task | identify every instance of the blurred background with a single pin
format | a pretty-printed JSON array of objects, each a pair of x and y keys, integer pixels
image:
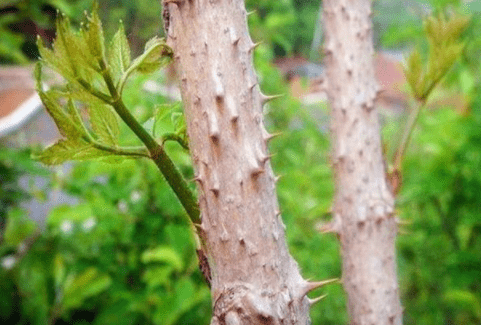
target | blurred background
[{"x": 98, "y": 243}]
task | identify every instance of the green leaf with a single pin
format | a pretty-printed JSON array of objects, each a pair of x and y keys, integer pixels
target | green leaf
[
  {"x": 69, "y": 149},
  {"x": 95, "y": 35},
  {"x": 104, "y": 123},
  {"x": 183, "y": 299},
  {"x": 77, "y": 288},
  {"x": 59, "y": 269},
  {"x": 67, "y": 124},
  {"x": 158, "y": 275},
  {"x": 156, "y": 55},
  {"x": 414, "y": 73},
  {"x": 163, "y": 254},
  {"x": 75, "y": 214},
  {"x": 119, "y": 53},
  {"x": 57, "y": 59},
  {"x": 32, "y": 283},
  {"x": 19, "y": 227},
  {"x": 463, "y": 299}
]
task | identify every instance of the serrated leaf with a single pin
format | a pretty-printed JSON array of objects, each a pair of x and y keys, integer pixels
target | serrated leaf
[
  {"x": 414, "y": 72},
  {"x": 104, "y": 123},
  {"x": 82, "y": 95},
  {"x": 72, "y": 111},
  {"x": 119, "y": 53},
  {"x": 95, "y": 34},
  {"x": 65, "y": 123},
  {"x": 56, "y": 59},
  {"x": 65, "y": 150},
  {"x": 157, "y": 54},
  {"x": 37, "y": 74}
]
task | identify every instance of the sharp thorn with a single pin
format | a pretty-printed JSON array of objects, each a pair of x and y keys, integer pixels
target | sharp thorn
[
  {"x": 265, "y": 98},
  {"x": 325, "y": 228},
  {"x": 253, "y": 46},
  {"x": 251, "y": 12},
  {"x": 256, "y": 171},
  {"x": 215, "y": 191},
  {"x": 197, "y": 179},
  {"x": 311, "y": 286},
  {"x": 316, "y": 300},
  {"x": 271, "y": 136},
  {"x": 403, "y": 222}
]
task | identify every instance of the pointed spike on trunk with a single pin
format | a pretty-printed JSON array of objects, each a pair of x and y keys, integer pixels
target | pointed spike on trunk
[
  {"x": 219, "y": 86},
  {"x": 214, "y": 131},
  {"x": 234, "y": 38},
  {"x": 311, "y": 286},
  {"x": 255, "y": 83},
  {"x": 197, "y": 179},
  {"x": 232, "y": 109},
  {"x": 215, "y": 184},
  {"x": 254, "y": 172},
  {"x": 326, "y": 228},
  {"x": 253, "y": 46},
  {"x": 265, "y": 99},
  {"x": 264, "y": 159},
  {"x": 316, "y": 300},
  {"x": 403, "y": 222},
  {"x": 272, "y": 136},
  {"x": 251, "y": 12}
]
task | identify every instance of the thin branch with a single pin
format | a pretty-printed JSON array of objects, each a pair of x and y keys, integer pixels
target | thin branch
[
  {"x": 157, "y": 153},
  {"x": 132, "y": 152},
  {"x": 406, "y": 136},
  {"x": 103, "y": 97}
]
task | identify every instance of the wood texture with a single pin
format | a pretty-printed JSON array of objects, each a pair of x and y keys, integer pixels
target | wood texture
[
  {"x": 253, "y": 278},
  {"x": 364, "y": 206}
]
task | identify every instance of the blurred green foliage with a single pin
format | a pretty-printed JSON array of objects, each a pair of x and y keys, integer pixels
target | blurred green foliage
[
  {"x": 22, "y": 20},
  {"x": 124, "y": 255},
  {"x": 288, "y": 25}
]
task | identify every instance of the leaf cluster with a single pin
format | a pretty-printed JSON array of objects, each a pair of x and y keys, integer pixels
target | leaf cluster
[
  {"x": 445, "y": 47},
  {"x": 95, "y": 75}
]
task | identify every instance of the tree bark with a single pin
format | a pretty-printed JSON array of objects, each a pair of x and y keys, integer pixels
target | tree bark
[
  {"x": 364, "y": 205},
  {"x": 253, "y": 278}
]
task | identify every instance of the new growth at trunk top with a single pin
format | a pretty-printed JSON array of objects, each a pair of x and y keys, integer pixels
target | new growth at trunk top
[{"x": 423, "y": 75}]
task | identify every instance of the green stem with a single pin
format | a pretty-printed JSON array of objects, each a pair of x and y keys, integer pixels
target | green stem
[
  {"x": 132, "y": 152},
  {"x": 177, "y": 138},
  {"x": 103, "y": 97},
  {"x": 406, "y": 136},
  {"x": 157, "y": 153}
]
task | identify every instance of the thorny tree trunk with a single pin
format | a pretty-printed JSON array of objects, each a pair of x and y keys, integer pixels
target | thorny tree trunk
[
  {"x": 364, "y": 205},
  {"x": 253, "y": 278}
]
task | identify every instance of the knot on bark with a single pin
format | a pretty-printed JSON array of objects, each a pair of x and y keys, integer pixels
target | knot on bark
[{"x": 242, "y": 304}]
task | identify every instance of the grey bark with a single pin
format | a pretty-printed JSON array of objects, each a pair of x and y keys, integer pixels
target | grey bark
[
  {"x": 253, "y": 278},
  {"x": 364, "y": 205}
]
